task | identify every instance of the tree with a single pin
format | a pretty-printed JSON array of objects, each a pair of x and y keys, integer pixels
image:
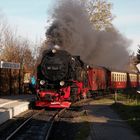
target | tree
[
  {"x": 138, "y": 54},
  {"x": 100, "y": 14},
  {"x": 12, "y": 47},
  {"x": 132, "y": 62},
  {"x": 4, "y": 27},
  {"x": 16, "y": 49}
]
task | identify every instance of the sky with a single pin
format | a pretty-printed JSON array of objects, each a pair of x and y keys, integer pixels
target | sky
[
  {"x": 127, "y": 20},
  {"x": 29, "y": 18}
]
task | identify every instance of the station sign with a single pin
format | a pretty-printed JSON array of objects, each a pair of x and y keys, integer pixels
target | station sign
[{"x": 9, "y": 65}]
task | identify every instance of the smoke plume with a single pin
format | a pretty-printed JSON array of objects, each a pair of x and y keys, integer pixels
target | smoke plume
[{"x": 72, "y": 30}]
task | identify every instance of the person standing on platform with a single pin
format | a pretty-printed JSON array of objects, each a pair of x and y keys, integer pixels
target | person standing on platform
[{"x": 33, "y": 84}]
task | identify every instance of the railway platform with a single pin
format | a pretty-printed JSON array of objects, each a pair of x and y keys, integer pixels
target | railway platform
[
  {"x": 11, "y": 106},
  {"x": 105, "y": 124}
]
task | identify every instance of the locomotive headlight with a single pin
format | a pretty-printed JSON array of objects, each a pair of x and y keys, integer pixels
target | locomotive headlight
[
  {"x": 53, "y": 50},
  {"x": 62, "y": 83},
  {"x": 42, "y": 82},
  {"x": 87, "y": 66},
  {"x": 73, "y": 59}
]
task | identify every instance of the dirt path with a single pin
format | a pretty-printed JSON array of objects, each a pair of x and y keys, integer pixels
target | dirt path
[{"x": 105, "y": 124}]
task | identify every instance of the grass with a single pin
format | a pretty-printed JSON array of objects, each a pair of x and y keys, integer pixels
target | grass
[{"x": 128, "y": 110}]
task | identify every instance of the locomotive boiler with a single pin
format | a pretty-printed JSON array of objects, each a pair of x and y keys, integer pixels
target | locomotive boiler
[{"x": 61, "y": 79}]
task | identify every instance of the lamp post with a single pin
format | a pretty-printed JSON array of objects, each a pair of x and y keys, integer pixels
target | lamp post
[{"x": 20, "y": 73}]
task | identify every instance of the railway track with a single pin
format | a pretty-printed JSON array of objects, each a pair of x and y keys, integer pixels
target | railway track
[
  {"x": 36, "y": 127},
  {"x": 66, "y": 128},
  {"x": 39, "y": 125}
]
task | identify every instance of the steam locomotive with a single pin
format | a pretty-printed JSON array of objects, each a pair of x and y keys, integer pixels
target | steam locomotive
[{"x": 63, "y": 79}]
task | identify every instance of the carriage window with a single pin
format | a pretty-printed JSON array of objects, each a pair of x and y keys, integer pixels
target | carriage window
[
  {"x": 130, "y": 78},
  {"x": 134, "y": 78},
  {"x": 113, "y": 77},
  {"x": 118, "y": 77}
]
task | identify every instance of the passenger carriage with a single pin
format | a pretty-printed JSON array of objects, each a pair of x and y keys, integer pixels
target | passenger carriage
[
  {"x": 118, "y": 80},
  {"x": 132, "y": 80}
]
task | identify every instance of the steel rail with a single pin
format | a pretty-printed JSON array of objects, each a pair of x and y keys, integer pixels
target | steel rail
[
  {"x": 55, "y": 117},
  {"x": 26, "y": 121}
]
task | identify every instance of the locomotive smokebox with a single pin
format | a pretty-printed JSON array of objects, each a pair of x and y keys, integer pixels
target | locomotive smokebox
[{"x": 55, "y": 64}]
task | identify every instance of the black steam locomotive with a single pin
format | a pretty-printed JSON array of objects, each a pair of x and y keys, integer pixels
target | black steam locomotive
[{"x": 60, "y": 79}]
